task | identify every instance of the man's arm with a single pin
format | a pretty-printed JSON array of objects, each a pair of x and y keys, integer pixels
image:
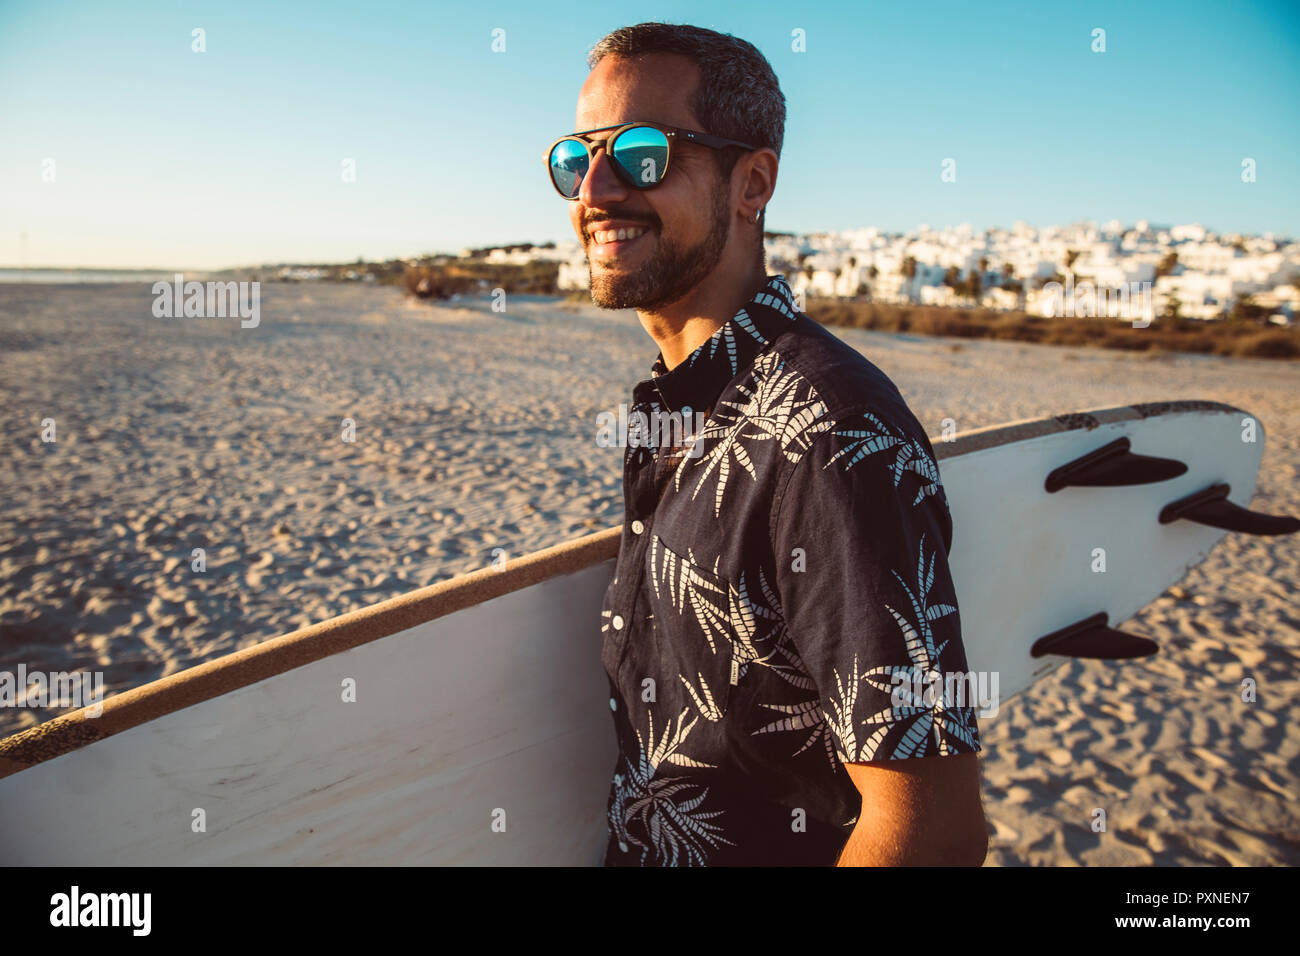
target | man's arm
[
  {"x": 924, "y": 811},
  {"x": 874, "y": 606}
]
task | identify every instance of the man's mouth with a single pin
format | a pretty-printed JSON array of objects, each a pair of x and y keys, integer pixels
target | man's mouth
[{"x": 607, "y": 243}]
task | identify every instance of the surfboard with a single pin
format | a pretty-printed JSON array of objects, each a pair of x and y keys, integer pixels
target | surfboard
[{"x": 469, "y": 723}]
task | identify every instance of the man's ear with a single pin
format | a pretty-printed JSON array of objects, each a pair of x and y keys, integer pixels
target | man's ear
[{"x": 758, "y": 171}]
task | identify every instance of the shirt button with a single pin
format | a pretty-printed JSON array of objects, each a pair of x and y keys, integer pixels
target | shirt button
[
  {"x": 617, "y": 622},
  {"x": 637, "y": 527}
]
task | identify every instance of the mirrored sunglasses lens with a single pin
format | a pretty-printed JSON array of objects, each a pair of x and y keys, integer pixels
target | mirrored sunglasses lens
[
  {"x": 569, "y": 164},
  {"x": 643, "y": 154}
]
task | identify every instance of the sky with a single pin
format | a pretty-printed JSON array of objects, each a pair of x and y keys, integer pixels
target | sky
[{"x": 167, "y": 157}]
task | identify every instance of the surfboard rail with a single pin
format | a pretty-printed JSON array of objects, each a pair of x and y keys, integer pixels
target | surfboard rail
[
  {"x": 241, "y": 668},
  {"x": 131, "y": 708}
]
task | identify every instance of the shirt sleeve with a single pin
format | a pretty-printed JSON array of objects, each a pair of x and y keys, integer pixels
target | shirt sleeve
[{"x": 861, "y": 541}]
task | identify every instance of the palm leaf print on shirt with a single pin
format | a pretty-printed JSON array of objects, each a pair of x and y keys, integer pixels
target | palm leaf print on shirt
[
  {"x": 924, "y": 721},
  {"x": 805, "y": 715},
  {"x": 669, "y": 811},
  {"x": 781, "y": 405},
  {"x": 689, "y": 590},
  {"x": 910, "y": 454},
  {"x": 725, "y": 338}
]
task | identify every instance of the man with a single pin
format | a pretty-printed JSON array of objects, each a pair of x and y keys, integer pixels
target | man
[{"x": 781, "y": 613}]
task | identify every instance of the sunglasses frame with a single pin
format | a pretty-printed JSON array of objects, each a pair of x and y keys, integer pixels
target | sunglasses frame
[{"x": 670, "y": 132}]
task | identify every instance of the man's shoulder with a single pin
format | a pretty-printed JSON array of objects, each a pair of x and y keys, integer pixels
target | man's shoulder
[
  {"x": 853, "y": 417},
  {"x": 842, "y": 381}
]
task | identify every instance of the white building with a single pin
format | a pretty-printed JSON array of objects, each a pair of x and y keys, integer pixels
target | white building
[
  {"x": 574, "y": 274},
  {"x": 1210, "y": 273}
]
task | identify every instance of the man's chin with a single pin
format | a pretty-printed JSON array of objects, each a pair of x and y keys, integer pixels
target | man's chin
[
  {"x": 651, "y": 282},
  {"x": 616, "y": 286},
  {"x": 620, "y": 292}
]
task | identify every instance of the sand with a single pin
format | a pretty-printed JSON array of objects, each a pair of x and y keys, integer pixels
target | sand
[{"x": 475, "y": 431}]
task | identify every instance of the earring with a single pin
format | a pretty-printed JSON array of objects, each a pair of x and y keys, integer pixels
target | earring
[{"x": 754, "y": 221}]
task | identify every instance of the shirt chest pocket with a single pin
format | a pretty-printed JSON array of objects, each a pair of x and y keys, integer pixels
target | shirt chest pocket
[{"x": 694, "y": 640}]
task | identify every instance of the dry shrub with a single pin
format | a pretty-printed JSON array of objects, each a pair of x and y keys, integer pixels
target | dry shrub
[
  {"x": 429, "y": 282},
  {"x": 1281, "y": 344},
  {"x": 1237, "y": 338},
  {"x": 1128, "y": 341}
]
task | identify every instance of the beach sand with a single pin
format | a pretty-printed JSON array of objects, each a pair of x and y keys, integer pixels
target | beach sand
[{"x": 475, "y": 432}]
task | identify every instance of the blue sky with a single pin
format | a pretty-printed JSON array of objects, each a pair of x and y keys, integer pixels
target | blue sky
[{"x": 166, "y": 157}]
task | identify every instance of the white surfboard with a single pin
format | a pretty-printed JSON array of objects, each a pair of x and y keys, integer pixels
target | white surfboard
[{"x": 481, "y": 731}]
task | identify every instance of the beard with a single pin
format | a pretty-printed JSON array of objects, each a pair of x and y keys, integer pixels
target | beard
[{"x": 672, "y": 271}]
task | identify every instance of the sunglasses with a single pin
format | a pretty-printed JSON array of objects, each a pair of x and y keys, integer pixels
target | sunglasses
[{"x": 640, "y": 153}]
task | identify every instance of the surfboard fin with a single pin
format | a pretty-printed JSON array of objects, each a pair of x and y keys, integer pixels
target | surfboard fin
[
  {"x": 1092, "y": 638},
  {"x": 1211, "y": 506},
  {"x": 1113, "y": 464}
]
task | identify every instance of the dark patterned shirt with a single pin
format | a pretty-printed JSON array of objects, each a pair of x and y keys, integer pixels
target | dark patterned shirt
[{"x": 781, "y": 603}]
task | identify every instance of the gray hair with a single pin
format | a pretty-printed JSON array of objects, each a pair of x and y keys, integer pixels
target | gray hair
[{"x": 738, "y": 95}]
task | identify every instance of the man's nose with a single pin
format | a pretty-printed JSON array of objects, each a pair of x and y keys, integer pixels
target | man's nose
[{"x": 601, "y": 186}]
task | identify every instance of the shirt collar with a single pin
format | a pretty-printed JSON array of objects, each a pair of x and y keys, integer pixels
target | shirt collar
[{"x": 700, "y": 378}]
